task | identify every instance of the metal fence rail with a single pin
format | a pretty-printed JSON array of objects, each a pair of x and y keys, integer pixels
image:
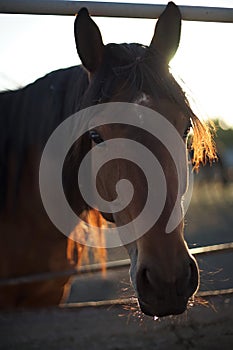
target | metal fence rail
[
  {"x": 110, "y": 265},
  {"x": 113, "y": 9},
  {"x": 134, "y": 301}
]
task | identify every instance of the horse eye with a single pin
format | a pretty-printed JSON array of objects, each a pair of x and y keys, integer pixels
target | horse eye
[{"x": 95, "y": 136}]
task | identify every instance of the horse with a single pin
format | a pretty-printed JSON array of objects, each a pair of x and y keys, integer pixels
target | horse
[{"x": 163, "y": 272}]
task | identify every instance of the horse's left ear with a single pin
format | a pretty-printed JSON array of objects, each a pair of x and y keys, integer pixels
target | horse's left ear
[
  {"x": 88, "y": 40},
  {"x": 167, "y": 32}
]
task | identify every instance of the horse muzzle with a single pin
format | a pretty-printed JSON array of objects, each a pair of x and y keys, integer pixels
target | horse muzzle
[{"x": 157, "y": 296}]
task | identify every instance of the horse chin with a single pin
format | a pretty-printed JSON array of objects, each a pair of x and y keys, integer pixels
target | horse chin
[
  {"x": 145, "y": 309},
  {"x": 161, "y": 311}
]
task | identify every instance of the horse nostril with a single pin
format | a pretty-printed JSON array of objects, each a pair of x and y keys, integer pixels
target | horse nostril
[
  {"x": 145, "y": 277},
  {"x": 144, "y": 281},
  {"x": 149, "y": 285}
]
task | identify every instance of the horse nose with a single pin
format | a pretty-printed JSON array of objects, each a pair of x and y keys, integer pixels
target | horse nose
[{"x": 161, "y": 294}]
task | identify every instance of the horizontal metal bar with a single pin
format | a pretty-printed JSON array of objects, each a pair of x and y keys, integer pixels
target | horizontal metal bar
[
  {"x": 45, "y": 276},
  {"x": 110, "y": 265},
  {"x": 134, "y": 301},
  {"x": 217, "y": 248},
  {"x": 123, "y": 301},
  {"x": 210, "y": 293},
  {"x": 110, "y": 9}
]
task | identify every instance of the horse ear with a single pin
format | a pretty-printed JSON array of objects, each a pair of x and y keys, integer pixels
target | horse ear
[
  {"x": 88, "y": 41},
  {"x": 167, "y": 32}
]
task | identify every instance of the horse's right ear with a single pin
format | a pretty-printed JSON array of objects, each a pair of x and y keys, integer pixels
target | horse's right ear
[{"x": 88, "y": 40}]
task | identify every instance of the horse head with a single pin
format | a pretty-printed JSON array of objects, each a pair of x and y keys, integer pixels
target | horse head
[{"x": 163, "y": 272}]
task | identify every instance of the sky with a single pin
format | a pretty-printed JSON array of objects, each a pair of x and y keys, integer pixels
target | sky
[{"x": 32, "y": 46}]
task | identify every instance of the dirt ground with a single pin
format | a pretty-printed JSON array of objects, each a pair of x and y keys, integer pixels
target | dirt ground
[{"x": 117, "y": 329}]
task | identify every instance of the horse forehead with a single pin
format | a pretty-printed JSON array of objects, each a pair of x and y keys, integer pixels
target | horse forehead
[
  {"x": 101, "y": 119},
  {"x": 168, "y": 109},
  {"x": 163, "y": 106}
]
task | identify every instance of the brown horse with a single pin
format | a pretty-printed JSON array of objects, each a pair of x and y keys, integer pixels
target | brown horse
[{"x": 163, "y": 273}]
